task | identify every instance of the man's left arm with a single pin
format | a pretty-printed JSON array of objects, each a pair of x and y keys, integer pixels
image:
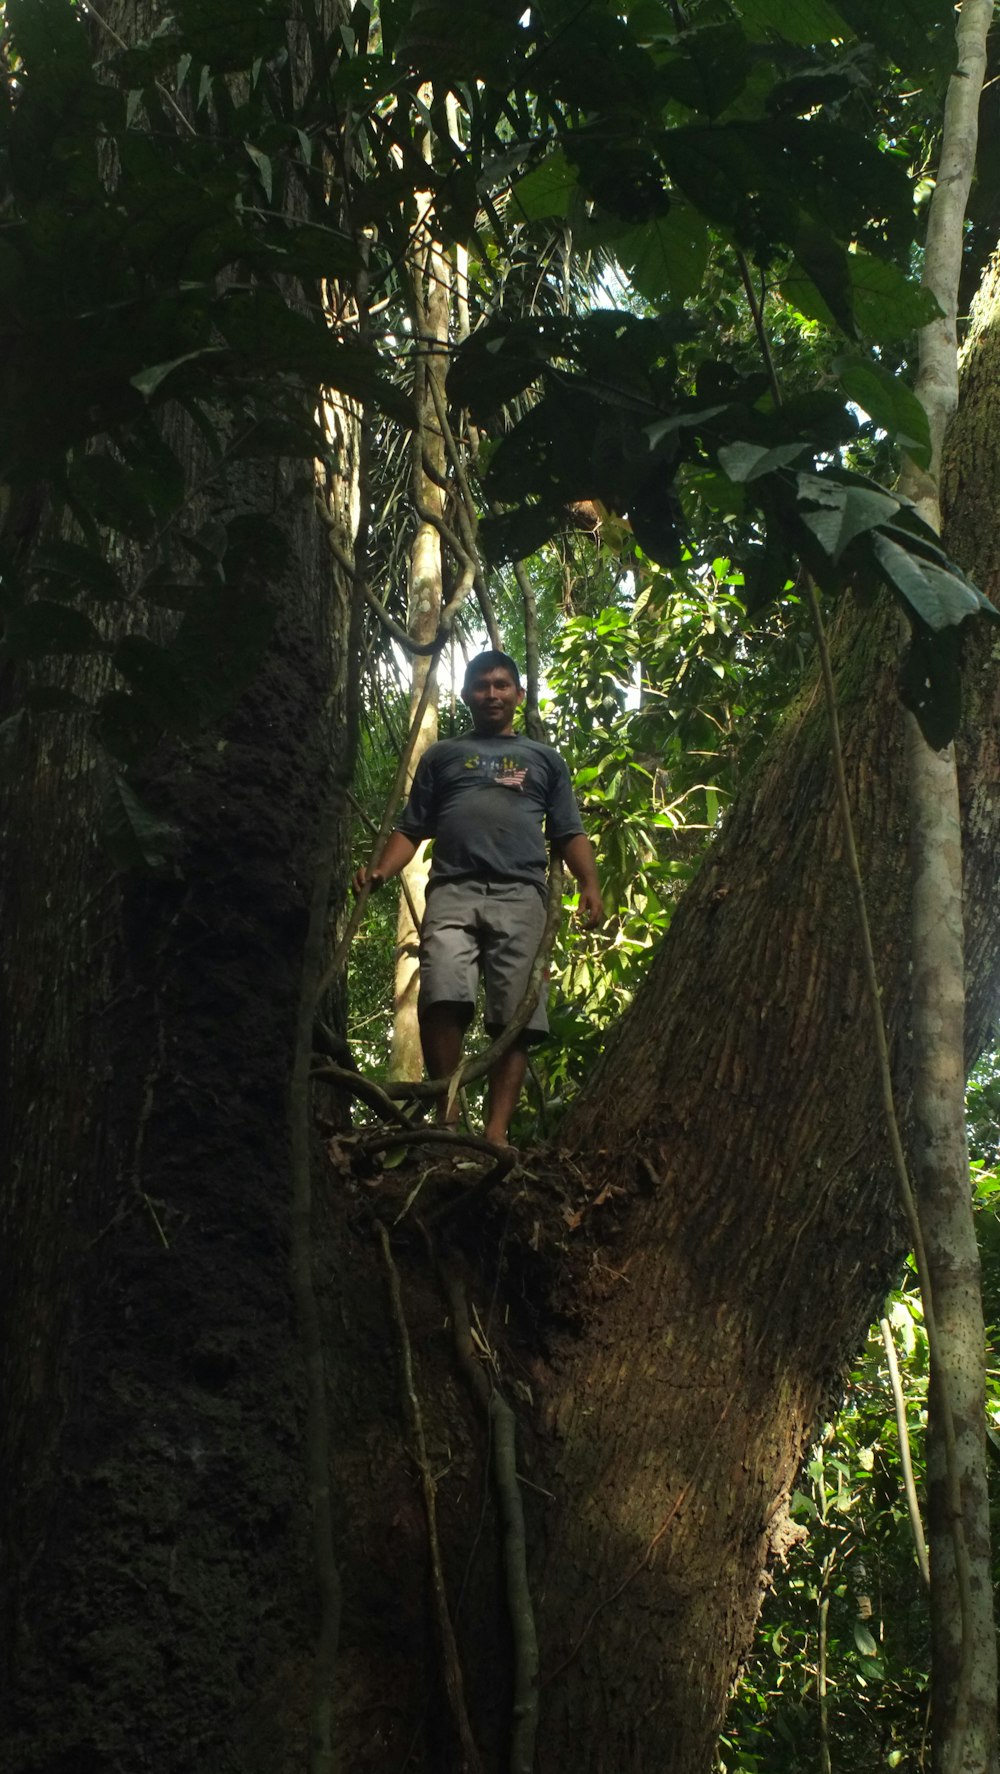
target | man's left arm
[{"x": 577, "y": 853}]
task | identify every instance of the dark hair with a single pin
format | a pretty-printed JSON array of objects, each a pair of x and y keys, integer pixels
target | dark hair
[{"x": 491, "y": 660}]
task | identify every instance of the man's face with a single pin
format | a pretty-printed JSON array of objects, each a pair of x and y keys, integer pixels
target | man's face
[{"x": 491, "y": 698}]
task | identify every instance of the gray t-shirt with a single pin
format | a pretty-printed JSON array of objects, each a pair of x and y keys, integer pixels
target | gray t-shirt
[{"x": 490, "y": 802}]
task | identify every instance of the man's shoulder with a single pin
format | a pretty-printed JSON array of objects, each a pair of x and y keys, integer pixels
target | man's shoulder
[
  {"x": 548, "y": 753},
  {"x": 461, "y": 746}
]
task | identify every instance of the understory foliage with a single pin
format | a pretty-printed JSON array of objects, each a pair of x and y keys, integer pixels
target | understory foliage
[{"x": 690, "y": 242}]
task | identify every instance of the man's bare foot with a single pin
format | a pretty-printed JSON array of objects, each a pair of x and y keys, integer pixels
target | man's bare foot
[{"x": 498, "y": 1137}]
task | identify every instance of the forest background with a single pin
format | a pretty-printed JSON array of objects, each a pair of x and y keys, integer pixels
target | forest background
[{"x": 338, "y": 340}]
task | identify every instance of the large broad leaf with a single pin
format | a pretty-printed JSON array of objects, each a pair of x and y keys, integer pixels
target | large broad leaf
[
  {"x": 71, "y": 569},
  {"x": 478, "y": 40},
  {"x": 914, "y": 35},
  {"x": 845, "y": 512},
  {"x": 106, "y": 492},
  {"x": 886, "y": 399},
  {"x": 930, "y": 683},
  {"x": 759, "y": 179},
  {"x": 43, "y": 628},
  {"x": 709, "y": 69},
  {"x": 546, "y": 191},
  {"x": 496, "y": 365},
  {"x": 797, "y": 21},
  {"x": 515, "y": 535},
  {"x": 124, "y": 726},
  {"x": 748, "y": 461},
  {"x": 51, "y": 37},
  {"x": 885, "y": 304},
  {"x": 265, "y": 334},
  {"x": 940, "y": 598},
  {"x": 149, "y": 380},
  {"x": 668, "y": 256},
  {"x": 229, "y": 35},
  {"x": 131, "y": 833},
  {"x": 12, "y": 731},
  {"x": 158, "y": 684}
]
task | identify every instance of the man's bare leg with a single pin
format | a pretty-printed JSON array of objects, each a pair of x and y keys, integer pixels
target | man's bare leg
[
  {"x": 505, "y": 1081},
  {"x": 442, "y": 1035}
]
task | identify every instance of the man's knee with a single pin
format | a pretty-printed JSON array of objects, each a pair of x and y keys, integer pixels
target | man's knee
[{"x": 449, "y": 1013}]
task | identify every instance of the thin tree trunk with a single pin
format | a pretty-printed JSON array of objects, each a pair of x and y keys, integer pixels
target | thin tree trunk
[
  {"x": 431, "y": 288},
  {"x": 905, "y": 1460},
  {"x": 963, "y": 1632}
]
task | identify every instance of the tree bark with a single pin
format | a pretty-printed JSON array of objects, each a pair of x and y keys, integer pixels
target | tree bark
[
  {"x": 431, "y": 282},
  {"x": 670, "y": 1302},
  {"x": 964, "y": 1661}
]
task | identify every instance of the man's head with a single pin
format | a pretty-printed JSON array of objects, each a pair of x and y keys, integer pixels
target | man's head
[{"x": 492, "y": 691}]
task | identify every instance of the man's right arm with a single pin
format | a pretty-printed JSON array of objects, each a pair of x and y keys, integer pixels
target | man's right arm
[{"x": 398, "y": 851}]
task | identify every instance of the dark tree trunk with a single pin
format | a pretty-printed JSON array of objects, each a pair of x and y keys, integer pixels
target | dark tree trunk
[
  {"x": 669, "y": 1305},
  {"x": 155, "y": 1482}
]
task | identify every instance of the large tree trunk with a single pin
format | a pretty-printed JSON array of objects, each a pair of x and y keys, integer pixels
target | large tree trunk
[
  {"x": 670, "y": 1306},
  {"x": 153, "y": 1472}
]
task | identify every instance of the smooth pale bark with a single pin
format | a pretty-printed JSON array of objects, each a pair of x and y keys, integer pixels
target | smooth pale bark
[
  {"x": 431, "y": 292},
  {"x": 964, "y": 1711}
]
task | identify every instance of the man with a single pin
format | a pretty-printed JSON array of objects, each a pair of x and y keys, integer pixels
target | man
[{"x": 490, "y": 800}]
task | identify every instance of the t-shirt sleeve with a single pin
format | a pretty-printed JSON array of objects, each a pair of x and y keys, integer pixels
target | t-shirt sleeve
[
  {"x": 562, "y": 818},
  {"x": 419, "y": 817}
]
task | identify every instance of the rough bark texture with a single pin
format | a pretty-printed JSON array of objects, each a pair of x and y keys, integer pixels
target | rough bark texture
[
  {"x": 153, "y": 1384},
  {"x": 670, "y": 1305}
]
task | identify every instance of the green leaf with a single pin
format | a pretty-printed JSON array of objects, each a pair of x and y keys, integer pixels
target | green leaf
[
  {"x": 263, "y": 164},
  {"x": 107, "y": 492},
  {"x": 148, "y": 381},
  {"x": 748, "y": 461},
  {"x": 220, "y": 644},
  {"x": 709, "y": 69},
  {"x": 124, "y": 727},
  {"x": 11, "y": 730},
  {"x": 514, "y": 535},
  {"x": 864, "y": 1641},
  {"x": 267, "y": 335},
  {"x": 82, "y": 569},
  {"x": 43, "y": 628},
  {"x": 887, "y": 399},
  {"x": 158, "y": 683},
  {"x": 668, "y": 256},
  {"x": 131, "y": 833},
  {"x": 53, "y": 699},
  {"x": 682, "y": 421},
  {"x": 797, "y": 21},
  {"x": 846, "y": 511},
  {"x": 873, "y": 1669},
  {"x": 230, "y": 35},
  {"x": 886, "y": 304},
  {"x": 930, "y": 683},
  {"x": 941, "y": 599},
  {"x": 547, "y": 190}
]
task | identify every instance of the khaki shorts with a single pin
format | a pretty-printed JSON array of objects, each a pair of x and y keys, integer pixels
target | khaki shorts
[{"x": 488, "y": 929}]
